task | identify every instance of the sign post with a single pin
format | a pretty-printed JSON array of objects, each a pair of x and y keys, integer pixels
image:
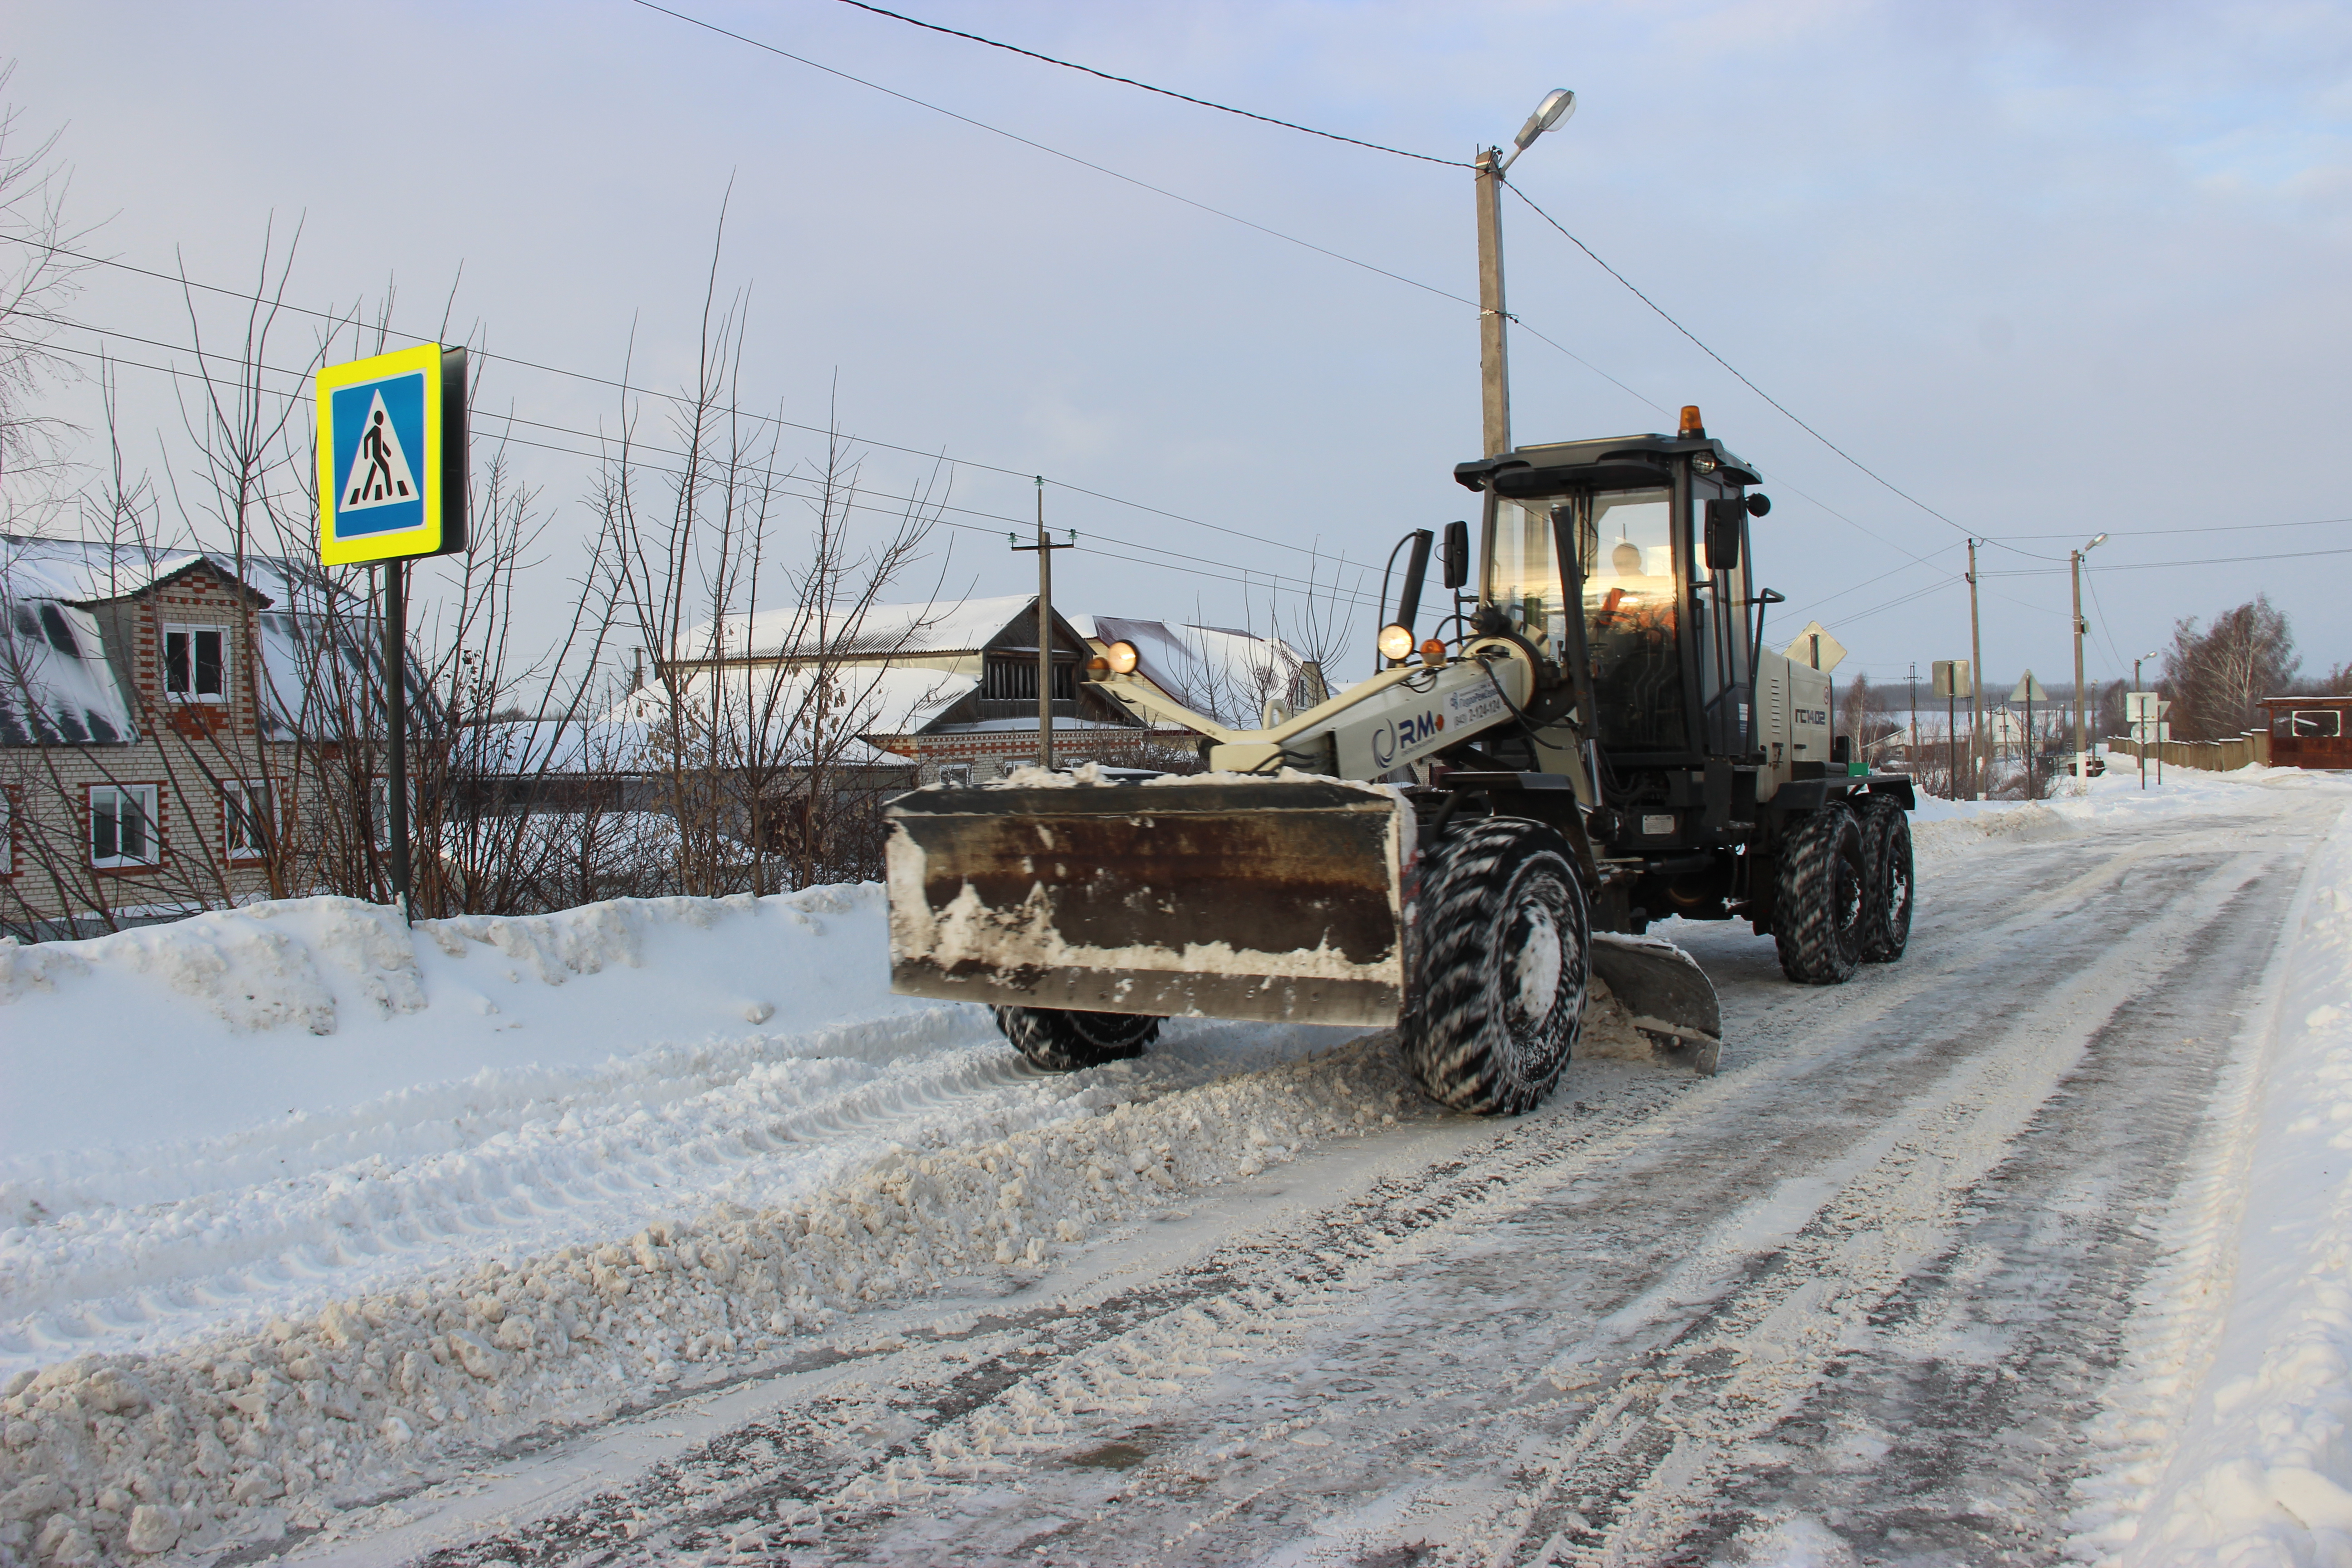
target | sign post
[
  {"x": 392, "y": 487},
  {"x": 1952, "y": 678},
  {"x": 2029, "y": 691}
]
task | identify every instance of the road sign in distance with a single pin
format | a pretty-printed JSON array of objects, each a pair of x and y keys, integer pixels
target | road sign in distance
[
  {"x": 2144, "y": 707},
  {"x": 1815, "y": 646},
  {"x": 391, "y": 455},
  {"x": 2028, "y": 690},
  {"x": 1954, "y": 678}
]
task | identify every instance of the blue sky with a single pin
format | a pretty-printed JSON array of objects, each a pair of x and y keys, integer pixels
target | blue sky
[{"x": 2051, "y": 269}]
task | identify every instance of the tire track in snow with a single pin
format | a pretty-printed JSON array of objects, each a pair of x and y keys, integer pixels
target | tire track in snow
[{"x": 1762, "y": 1326}]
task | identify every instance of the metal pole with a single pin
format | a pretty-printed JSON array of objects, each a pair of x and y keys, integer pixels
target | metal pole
[
  {"x": 2140, "y": 727},
  {"x": 2082, "y": 733},
  {"x": 1914, "y": 707},
  {"x": 1976, "y": 768},
  {"x": 1494, "y": 364},
  {"x": 1045, "y": 636},
  {"x": 395, "y": 687}
]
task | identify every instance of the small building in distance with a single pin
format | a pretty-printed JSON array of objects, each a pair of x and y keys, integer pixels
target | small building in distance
[{"x": 2309, "y": 732}]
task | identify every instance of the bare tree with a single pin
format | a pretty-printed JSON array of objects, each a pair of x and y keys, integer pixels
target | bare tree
[
  {"x": 39, "y": 271},
  {"x": 2215, "y": 677}
]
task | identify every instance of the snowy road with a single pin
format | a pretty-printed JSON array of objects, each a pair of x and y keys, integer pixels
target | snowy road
[{"x": 1856, "y": 1300}]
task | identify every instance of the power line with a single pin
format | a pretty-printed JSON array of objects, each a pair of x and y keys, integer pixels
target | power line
[
  {"x": 2158, "y": 565},
  {"x": 1727, "y": 364},
  {"x": 1164, "y": 92},
  {"x": 1058, "y": 152},
  {"x": 2207, "y": 528},
  {"x": 340, "y": 321},
  {"x": 1248, "y": 575}
]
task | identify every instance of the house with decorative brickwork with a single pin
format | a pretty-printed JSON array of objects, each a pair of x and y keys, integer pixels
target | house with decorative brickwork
[{"x": 152, "y": 720}]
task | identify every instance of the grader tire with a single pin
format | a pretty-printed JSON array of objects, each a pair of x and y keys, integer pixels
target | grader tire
[
  {"x": 1821, "y": 907},
  {"x": 1886, "y": 848},
  {"x": 1504, "y": 965},
  {"x": 1059, "y": 1040}
]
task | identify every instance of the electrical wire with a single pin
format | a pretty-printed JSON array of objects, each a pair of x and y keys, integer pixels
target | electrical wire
[
  {"x": 1727, "y": 364},
  {"x": 1249, "y": 576},
  {"x": 341, "y": 320},
  {"x": 1164, "y": 92},
  {"x": 1058, "y": 152}
]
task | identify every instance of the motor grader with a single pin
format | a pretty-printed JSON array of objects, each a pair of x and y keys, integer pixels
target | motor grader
[{"x": 1460, "y": 845}]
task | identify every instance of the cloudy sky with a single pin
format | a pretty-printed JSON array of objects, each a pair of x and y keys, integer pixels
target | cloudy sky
[{"x": 2049, "y": 270}]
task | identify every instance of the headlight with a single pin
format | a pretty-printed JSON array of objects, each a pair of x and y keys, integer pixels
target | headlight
[
  {"x": 1395, "y": 642},
  {"x": 1122, "y": 657}
]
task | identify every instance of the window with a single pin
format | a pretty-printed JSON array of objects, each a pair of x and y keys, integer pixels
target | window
[
  {"x": 193, "y": 666},
  {"x": 7, "y": 835},
  {"x": 122, "y": 826},
  {"x": 1015, "y": 678},
  {"x": 249, "y": 820},
  {"x": 957, "y": 773},
  {"x": 2317, "y": 723}
]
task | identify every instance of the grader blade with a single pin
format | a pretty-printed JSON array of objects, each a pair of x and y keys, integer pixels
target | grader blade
[
  {"x": 1665, "y": 996},
  {"x": 1279, "y": 899}
]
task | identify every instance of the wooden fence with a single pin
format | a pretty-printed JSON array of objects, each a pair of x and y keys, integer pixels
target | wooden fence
[{"x": 2214, "y": 756}]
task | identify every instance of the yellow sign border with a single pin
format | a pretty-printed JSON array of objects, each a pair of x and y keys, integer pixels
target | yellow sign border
[{"x": 426, "y": 538}]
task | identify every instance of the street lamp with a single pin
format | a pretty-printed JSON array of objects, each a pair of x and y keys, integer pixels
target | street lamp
[
  {"x": 1494, "y": 366},
  {"x": 2081, "y": 738}
]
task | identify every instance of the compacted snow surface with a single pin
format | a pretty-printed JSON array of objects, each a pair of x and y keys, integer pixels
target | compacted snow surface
[{"x": 312, "y": 1225}]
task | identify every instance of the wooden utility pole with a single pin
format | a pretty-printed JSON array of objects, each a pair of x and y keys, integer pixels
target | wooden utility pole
[
  {"x": 2081, "y": 740},
  {"x": 1045, "y": 548},
  {"x": 1976, "y": 694},
  {"x": 1494, "y": 351}
]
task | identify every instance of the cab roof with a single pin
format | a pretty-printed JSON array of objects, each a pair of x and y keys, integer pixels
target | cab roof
[{"x": 1610, "y": 463}]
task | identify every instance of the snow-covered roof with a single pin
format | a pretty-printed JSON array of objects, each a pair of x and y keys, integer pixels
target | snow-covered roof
[
  {"x": 1217, "y": 671},
  {"x": 57, "y": 679},
  {"x": 792, "y": 630},
  {"x": 865, "y": 700}
]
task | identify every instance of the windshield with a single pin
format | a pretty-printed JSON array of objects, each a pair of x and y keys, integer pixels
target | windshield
[{"x": 1630, "y": 611}]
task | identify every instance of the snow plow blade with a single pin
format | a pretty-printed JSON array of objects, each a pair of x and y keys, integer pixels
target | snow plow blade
[
  {"x": 1278, "y": 899},
  {"x": 1665, "y": 996}
]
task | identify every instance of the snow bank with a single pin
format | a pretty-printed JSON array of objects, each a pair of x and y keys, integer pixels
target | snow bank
[
  {"x": 212, "y": 1024},
  {"x": 2261, "y": 1469}
]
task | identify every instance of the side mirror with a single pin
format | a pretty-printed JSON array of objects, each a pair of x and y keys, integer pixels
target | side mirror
[
  {"x": 1458, "y": 554},
  {"x": 1724, "y": 519}
]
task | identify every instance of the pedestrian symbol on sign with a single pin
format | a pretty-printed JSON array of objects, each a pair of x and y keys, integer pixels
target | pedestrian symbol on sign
[{"x": 380, "y": 474}]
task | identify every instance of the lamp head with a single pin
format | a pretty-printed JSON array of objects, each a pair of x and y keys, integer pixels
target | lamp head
[
  {"x": 1557, "y": 105},
  {"x": 2096, "y": 542}
]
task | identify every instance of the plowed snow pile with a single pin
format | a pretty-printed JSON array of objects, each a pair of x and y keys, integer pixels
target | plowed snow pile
[{"x": 298, "y": 1202}]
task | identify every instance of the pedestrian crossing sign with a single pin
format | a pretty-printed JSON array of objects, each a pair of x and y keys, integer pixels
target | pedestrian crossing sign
[{"x": 391, "y": 455}]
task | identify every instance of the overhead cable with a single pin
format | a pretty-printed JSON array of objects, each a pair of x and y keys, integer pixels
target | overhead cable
[{"x": 1164, "y": 92}]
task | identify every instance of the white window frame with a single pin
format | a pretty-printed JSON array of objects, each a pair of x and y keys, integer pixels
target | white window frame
[
  {"x": 958, "y": 775},
  {"x": 238, "y": 797},
  {"x": 191, "y": 630},
  {"x": 7, "y": 833},
  {"x": 150, "y": 799}
]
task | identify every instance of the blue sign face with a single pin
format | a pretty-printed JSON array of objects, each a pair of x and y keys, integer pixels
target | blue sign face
[{"x": 379, "y": 433}]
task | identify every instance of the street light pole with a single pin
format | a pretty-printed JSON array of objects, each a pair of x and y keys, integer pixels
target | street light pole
[
  {"x": 1978, "y": 766},
  {"x": 2082, "y": 740},
  {"x": 1494, "y": 349}
]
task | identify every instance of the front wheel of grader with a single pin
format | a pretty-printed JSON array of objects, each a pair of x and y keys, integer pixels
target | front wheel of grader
[
  {"x": 1057, "y": 1040},
  {"x": 1504, "y": 963}
]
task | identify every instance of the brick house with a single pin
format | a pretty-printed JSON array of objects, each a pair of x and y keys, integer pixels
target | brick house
[{"x": 148, "y": 732}]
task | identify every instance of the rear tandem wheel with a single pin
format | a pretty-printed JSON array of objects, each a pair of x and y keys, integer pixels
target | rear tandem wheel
[{"x": 1821, "y": 910}]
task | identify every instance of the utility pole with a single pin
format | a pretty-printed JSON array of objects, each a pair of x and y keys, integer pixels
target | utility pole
[
  {"x": 1494, "y": 354},
  {"x": 2082, "y": 736},
  {"x": 1914, "y": 707},
  {"x": 1045, "y": 548},
  {"x": 1976, "y": 696}
]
